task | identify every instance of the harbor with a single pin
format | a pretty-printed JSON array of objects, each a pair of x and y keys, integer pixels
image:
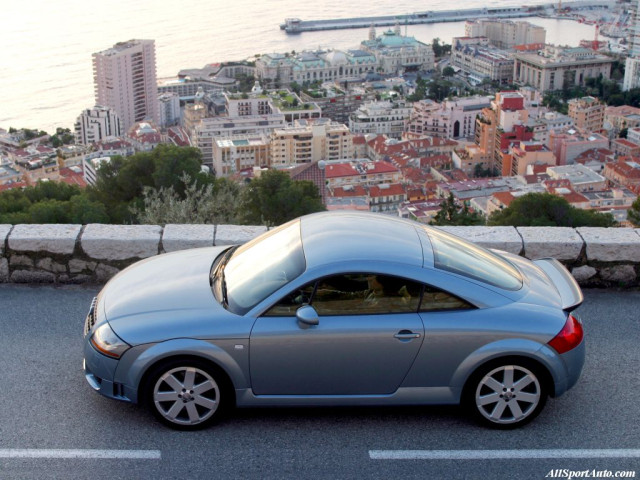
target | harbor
[{"x": 563, "y": 10}]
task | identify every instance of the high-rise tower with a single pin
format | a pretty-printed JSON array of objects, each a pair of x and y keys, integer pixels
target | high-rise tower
[
  {"x": 632, "y": 65},
  {"x": 125, "y": 80}
]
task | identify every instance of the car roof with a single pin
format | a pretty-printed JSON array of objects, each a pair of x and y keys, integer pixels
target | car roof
[{"x": 331, "y": 237}]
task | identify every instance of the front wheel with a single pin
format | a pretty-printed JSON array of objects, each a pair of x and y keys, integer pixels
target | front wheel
[
  {"x": 185, "y": 395},
  {"x": 506, "y": 395}
]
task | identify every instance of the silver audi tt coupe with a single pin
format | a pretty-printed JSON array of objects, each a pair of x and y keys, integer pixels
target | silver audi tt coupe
[{"x": 337, "y": 309}]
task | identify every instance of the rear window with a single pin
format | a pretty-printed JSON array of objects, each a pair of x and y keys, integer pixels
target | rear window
[{"x": 456, "y": 255}]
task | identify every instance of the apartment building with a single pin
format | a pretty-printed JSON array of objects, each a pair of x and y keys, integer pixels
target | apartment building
[
  {"x": 587, "y": 113},
  {"x": 505, "y": 33},
  {"x": 125, "y": 80},
  {"x": 476, "y": 58},
  {"x": 169, "y": 110},
  {"x": 455, "y": 118},
  {"x": 308, "y": 142},
  {"x": 381, "y": 118},
  {"x": 555, "y": 67},
  {"x": 234, "y": 153},
  {"x": 96, "y": 124},
  {"x": 568, "y": 144}
]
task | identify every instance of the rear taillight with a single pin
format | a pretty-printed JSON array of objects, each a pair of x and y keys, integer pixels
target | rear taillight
[{"x": 569, "y": 337}]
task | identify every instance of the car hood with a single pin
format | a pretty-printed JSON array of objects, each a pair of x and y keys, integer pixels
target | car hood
[{"x": 162, "y": 297}]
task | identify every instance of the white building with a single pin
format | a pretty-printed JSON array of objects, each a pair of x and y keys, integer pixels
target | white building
[
  {"x": 169, "y": 109},
  {"x": 125, "y": 80},
  {"x": 455, "y": 118},
  {"x": 90, "y": 168},
  {"x": 632, "y": 65},
  {"x": 505, "y": 33},
  {"x": 97, "y": 123},
  {"x": 208, "y": 130},
  {"x": 381, "y": 118}
]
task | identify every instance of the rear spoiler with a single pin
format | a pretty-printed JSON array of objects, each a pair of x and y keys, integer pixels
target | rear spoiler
[{"x": 569, "y": 290}]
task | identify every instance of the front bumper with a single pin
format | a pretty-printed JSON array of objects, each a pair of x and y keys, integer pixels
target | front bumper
[{"x": 99, "y": 372}]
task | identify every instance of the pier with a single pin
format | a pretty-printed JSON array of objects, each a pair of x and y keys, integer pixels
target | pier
[{"x": 296, "y": 25}]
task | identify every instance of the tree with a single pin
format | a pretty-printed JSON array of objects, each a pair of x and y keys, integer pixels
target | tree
[
  {"x": 448, "y": 71},
  {"x": 547, "y": 210},
  {"x": 120, "y": 183},
  {"x": 273, "y": 198},
  {"x": 207, "y": 204},
  {"x": 452, "y": 214},
  {"x": 633, "y": 214},
  {"x": 50, "y": 202}
]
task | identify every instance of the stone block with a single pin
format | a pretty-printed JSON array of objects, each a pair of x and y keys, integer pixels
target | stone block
[
  {"x": 562, "y": 243},
  {"x": 105, "y": 272},
  {"x": 49, "y": 265},
  {"x": 182, "y": 237},
  {"x": 501, "y": 238},
  {"x": 20, "y": 261},
  {"x": 4, "y": 233},
  {"x": 619, "y": 274},
  {"x": 120, "y": 242},
  {"x": 29, "y": 276},
  {"x": 52, "y": 238},
  {"x": 4, "y": 270},
  {"x": 611, "y": 244},
  {"x": 236, "y": 234},
  {"x": 77, "y": 266},
  {"x": 583, "y": 273}
]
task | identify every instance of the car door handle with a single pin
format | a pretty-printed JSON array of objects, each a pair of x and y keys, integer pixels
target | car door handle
[{"x": 406, "y": 335}]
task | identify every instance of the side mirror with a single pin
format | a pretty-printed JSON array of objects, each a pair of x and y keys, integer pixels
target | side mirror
[{"x": 307, "y": 315}]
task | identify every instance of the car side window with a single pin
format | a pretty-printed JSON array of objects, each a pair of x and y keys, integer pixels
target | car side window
[
  {"x": 365, "y": 293},
  {"x": 434, "y": 299},
  {"x": 288, "y": 305}
]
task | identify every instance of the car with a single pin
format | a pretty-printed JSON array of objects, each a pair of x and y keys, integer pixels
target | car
[{"x": 337, "y": 309}]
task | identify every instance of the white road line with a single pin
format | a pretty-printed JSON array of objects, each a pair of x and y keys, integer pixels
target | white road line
[
  {"x": 500, "y": 454},
  {"x": 80, "y": 453}
]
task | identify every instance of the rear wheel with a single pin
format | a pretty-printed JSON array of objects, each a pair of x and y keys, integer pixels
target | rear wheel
[
  {"x": 186, "y": 394},
  {"x": 506, "y": 395}
]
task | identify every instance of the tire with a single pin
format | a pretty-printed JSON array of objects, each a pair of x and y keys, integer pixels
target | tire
[
  {"x": 506, "y": 394},
  {"x": 187, "y": 394}
]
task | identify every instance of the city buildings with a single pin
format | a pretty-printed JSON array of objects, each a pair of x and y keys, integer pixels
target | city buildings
[
  {"x": 454, "y": 118},
  {"x": 169, "y": 109},
  {"x": 556, "y": 67},
  {"x": 480, "y": 61},
  {"x": 632, "y": 63},
  {"x": 96, "y": 124},
  {"x": 397, "y": 54},
  {"x": 381, "y": 118},
  {"x": 307, "y": 142},
  {"x": 587, "y": 113},
  {"x": 125, "y": 80},
  {"x": 505, "y": 34}
]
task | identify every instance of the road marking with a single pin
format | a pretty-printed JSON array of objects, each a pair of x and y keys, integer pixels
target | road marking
[
  {"x": 500, "y": 454},
  {"x": 80, "y": 453}
]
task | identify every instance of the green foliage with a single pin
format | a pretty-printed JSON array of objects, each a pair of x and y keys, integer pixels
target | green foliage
[
  {"x": 50, "y": 202},
  {"x": 547, "y": 210},
  {"x": 452, "y": 214},
  {"x": 273, "y": 199},
  {"x": 440, "y": 50},
  {"x": 246, "y": 82},
  {"x": 210, "y": 203},
  {"x": 420, "y": 92},
  {"x": 633, "y": 214},
  {"x": 448, "y": 71},
  {"x": 63, "y": 136},
  {"x": 120, "y": 183}
]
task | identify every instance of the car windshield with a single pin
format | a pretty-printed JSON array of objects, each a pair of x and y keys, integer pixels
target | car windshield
[
  {"x": 456, "y": 255},
  {"x": 258, "y": 268}
]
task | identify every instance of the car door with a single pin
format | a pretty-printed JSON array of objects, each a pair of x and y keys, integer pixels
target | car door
[{"x": 367, "y": 336}]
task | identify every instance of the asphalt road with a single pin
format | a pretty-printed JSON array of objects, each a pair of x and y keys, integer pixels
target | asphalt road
[{"x": 45, "y": 405}]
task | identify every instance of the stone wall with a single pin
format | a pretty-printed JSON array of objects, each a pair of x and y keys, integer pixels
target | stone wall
[{"x": 64, "y": 254}]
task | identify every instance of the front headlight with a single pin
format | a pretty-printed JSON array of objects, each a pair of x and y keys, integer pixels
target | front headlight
[{"x": 107, "y": 342}]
